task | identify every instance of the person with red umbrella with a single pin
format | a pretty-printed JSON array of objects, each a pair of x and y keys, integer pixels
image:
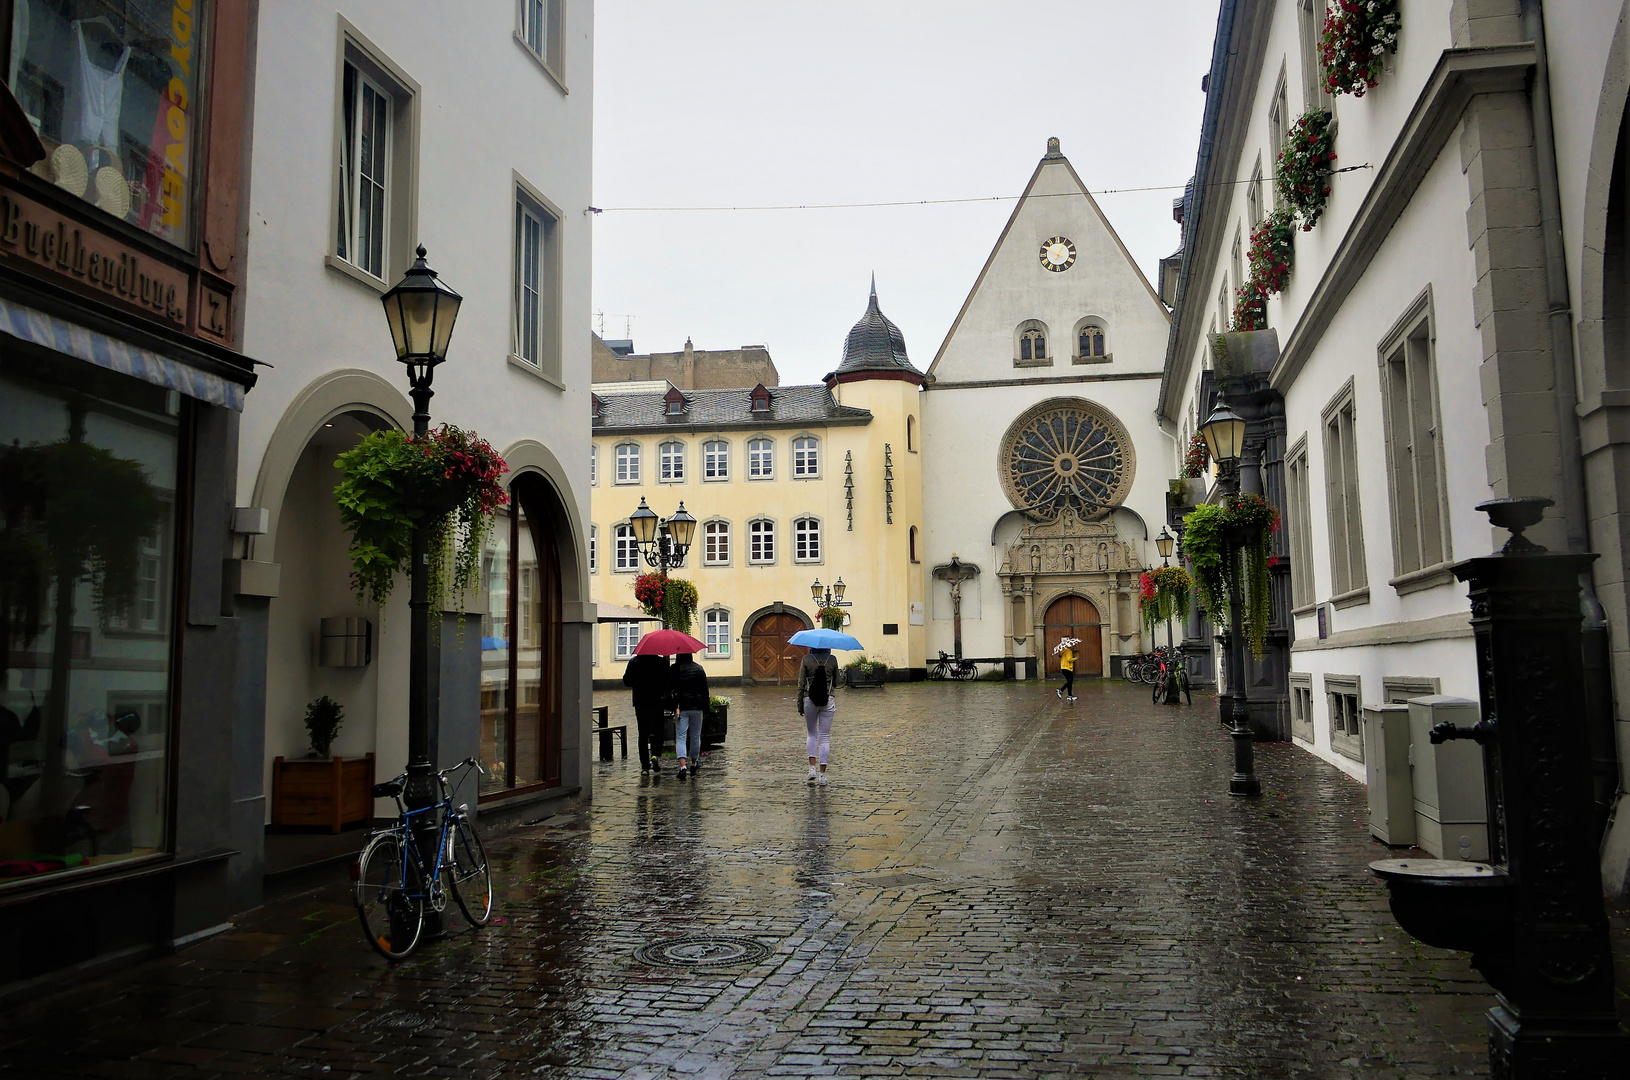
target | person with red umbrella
[{"x": 651, "y": 678}]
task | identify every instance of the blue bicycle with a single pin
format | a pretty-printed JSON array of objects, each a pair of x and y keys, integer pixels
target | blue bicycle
[{"x": 393, "y": 882}]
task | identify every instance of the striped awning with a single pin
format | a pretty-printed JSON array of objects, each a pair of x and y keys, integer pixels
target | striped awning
[{"x": 29, "y": 324}]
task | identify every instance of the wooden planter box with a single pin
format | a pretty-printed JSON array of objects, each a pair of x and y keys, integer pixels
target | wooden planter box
[{"x": 322, "y": 791}]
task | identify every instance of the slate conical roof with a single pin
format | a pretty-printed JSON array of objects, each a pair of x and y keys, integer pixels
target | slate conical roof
[{"x": 875, "y": 344}]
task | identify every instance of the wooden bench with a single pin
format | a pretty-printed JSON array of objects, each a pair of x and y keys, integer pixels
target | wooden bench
[{"x": 605, "y": 729}]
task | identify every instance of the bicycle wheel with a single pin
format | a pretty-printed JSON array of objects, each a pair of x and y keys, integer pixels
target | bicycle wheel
[
  {"x": 968, "y": 672},
  {"x": 470, "y": 874},
  {"x": 392, "y": 920},
  {"x": 1129, "y": 670}
]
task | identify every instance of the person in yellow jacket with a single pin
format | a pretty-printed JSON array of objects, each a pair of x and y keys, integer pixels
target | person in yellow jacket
[{"x": 1066, "y": 663}]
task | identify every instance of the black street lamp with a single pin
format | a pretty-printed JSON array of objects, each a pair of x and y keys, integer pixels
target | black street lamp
[
  {"x": 1163, "y": 544},
  {"x": 663, "y": 543},
  {"x": 421, "y": 310},
  {"x": 1224, "y": 433},
  {"x": 829, "y": 596}
]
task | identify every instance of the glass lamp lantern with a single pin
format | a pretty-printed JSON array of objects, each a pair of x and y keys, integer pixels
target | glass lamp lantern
[
  {"x": 1163, "y": 544},
  {"x": 815, "y": 590},
  {"x": 1224, "y": 433},
  {"x": 421, "y": 310},
  {"x": 837, "y": 588},
  {"x": 682, "y": 528},
  {"x": 644, "y": 523}
]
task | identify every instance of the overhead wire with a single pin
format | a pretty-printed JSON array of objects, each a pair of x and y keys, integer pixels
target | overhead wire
[{"x": 930, "y": 202}]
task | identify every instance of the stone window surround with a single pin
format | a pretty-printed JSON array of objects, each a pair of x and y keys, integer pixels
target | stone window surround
[
  {"x": 756, "y": 440},
  {"x": 1299, "y": 488},
  {"x": 717, "y": 441},
  {"x": 724, "y": 639},
  {"x": 1352, "y": 586},
  {"x": 1075, "y": 338},
  {"x": 1348, "y": 744},
  {"x": 1278, "y": 123},
  {"x": 1046, "y": 359},
  {"x": 729, "y": 541},
  {"x": 624, "y": 637},
  {"x": 552, "y": 61},
  {"x": 594, "y": 549},
  {"x": 1254, "y": 209},
  {"x": 792, "y": 451},
  {"x": 551, "y": 275},
  {"x": 1418, "y": 316},
  {"x": 676, "y": 459},
  {"x": 820, "y": 540},
  {"x": 633, "y": 548},
  {"x": 1397, "y": 689},
  {"x": 616, "y": 463},
  {"x": 1301, "y": 705},
  {"x": 1310, "y": 28},
  {"x": 761, "y": 526}
]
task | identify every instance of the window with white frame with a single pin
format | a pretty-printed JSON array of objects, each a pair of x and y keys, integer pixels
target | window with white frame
[
  {"x": 1349, "y": 576},
  {"x": 625, "y": 550},
  {"x": 806, "y": 540},
  {"x": 716, "y": 631},
  {"x": 1342, "y": 695},
  {"x": 1310, "y": 16},
  {"x": 1253, "y": 196},
  {"x": 1236, "y": 257},
  {"x": 627, "y": 636},
  {"x": 760, "y": 459},
  {"x": 716, "y": 543},
  {"x": 671, "y": 462},
  {"x": 1278, "y": 128},
  {"x": 594, "y": 465},
  {"x": 761, "y": 541},
  {"x": 716, "y": 460},
  {"x": 1420, "y": 517},
  {"x": 594, "y": 549},
  {"x": 537, "y": 273},
  {"x": 367, "y": 122},
  {"x": 1300, "y": 527},
  {"x": 806, "y": 459},
  {"x": 539, "y": 29},
  {"x": 628, "y": 463}
]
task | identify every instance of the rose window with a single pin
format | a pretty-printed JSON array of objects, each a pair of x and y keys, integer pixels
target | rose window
[{"x": 1066, "y": 454}]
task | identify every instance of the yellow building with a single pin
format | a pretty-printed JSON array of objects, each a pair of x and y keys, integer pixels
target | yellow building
[{"x": 789, "y": 485}]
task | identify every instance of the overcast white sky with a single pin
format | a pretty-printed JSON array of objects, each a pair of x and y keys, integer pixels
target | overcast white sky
[{"x": 752, "y": 102}]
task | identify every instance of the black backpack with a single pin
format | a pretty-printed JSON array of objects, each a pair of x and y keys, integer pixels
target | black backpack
[{"x": 817, "y": 692}]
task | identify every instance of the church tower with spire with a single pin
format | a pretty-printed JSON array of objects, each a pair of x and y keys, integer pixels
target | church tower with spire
[{"x": 875, "y": 374}]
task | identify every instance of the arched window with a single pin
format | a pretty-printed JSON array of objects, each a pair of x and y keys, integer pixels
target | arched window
[
  {"x": 625, "y": 550},
  {"x": 1091, "y": 341},
  {"x": 628, "y": 463},
  {"x": 1030, "y": 342},
  {"x": 716, "y": 460},
  {"x": 914, "y": 544},
  {"x": 806, "y": 457},
  {"x": 760, "y": 459},
  {"x": 806, "y": 540},
  {"x": 761, "y": 541},
  {"x": 671, "y": 462},
  {"x": 716, "y": 543},
  {"x": 911, "y": 433},
  {"x": 716, "y": 628}
]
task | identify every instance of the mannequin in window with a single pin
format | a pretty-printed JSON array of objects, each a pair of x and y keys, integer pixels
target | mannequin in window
[
  {"x": 1032, "y": 345},
  {"x": 96, "y": 94}
]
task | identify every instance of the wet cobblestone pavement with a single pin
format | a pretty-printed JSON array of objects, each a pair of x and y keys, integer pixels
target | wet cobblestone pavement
[{"x": 996, "y": 884}]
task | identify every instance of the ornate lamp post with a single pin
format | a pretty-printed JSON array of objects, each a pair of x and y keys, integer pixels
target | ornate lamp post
[
  {"x": 420, "y": 310},
  {"x": 829, "y": 596},
  {"x": 1224, "y": 433},
  {"x": 1163, "y": 544},
  {"x": 663, "y": 544}
]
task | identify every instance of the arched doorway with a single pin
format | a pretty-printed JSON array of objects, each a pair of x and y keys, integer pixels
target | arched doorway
[
  {"x": 521, "y": 644},
  {"x": 772, "y": 659},
  {"x": 1075, "y": 616}
]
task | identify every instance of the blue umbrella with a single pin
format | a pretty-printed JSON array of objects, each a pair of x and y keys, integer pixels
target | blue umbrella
[
  {"x": 824, "y": 639},
  {"x": 488, "y": 644}
]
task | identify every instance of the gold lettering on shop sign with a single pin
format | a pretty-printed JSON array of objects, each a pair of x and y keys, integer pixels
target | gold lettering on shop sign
[{"x": 49, "y": 241}]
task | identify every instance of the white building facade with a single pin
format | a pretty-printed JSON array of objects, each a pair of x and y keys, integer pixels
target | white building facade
[
  {"x": 1044, "y": 467},
  {"x": 1435, "y": 345}
]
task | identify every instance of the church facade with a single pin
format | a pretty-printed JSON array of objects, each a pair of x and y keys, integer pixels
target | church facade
[{"x": 1045, "y": 467}]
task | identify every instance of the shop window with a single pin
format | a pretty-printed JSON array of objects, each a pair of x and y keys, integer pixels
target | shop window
[
  {"x": 87, "y": 637},
  {"x": 115, "y": 96}
]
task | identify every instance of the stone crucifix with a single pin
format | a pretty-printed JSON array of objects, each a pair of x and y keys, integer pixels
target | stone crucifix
[{"x": 954, "y": 573}]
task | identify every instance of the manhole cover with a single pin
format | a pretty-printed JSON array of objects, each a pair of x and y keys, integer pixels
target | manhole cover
[
  {"x": 702, "y": 950},
  {"x": 895, "y": 881},
  {"x": 402, "y": 1021}
]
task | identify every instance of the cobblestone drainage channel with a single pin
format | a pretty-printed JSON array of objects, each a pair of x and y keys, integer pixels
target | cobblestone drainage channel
[{"x": 701, "y": 951}]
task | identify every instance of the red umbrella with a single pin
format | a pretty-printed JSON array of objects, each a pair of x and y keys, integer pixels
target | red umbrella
[{"x": 667, "y": 643}]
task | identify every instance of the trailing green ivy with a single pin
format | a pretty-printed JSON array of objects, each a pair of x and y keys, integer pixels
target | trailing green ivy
[{"x": 1206, "y": 543}]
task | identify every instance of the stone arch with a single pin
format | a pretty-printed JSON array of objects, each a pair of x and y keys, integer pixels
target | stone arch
[
  {"x": 1032, "y": 336},
  {"x": 745, "y": 640},
  {"x": 335, "y": 394},
  {"x": 1094, "y": 597},
  {"x": 530, "y": 456},
  {"x": 1598, "y": 369}
]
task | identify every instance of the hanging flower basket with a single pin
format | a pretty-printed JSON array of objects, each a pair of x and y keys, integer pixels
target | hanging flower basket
[
  {"x": 1273, "y": 251},
  {"x": 1250, "y": 307},
  {"x": 1197, "y": 458},
  {"x": 651, "y": 590},
  {"x": 1358, "y": 36},
  {"x": 831, "y": 618},
  {"x": 1164, "y": 595},
  {"x": 1240, "y": 529},
  {"x": 447, "y": 481},
  {"x": 679, "y": 605},
  {"x": 1303, "y": 172}
]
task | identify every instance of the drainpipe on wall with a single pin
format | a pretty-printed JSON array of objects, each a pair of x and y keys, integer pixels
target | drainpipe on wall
[{"x": 1599, "y": 704}]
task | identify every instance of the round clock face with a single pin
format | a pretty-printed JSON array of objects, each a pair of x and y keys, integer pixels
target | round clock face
[{"x": 1057, "y": 254}]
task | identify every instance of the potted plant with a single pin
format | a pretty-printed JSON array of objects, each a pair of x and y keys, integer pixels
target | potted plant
[
  {"x": 863, "y": 672},
  {"x": 831, "y": 618},
  {"x": 448, "y": 479},
  {"x": 322, "y": 790},
  {"x": 1302, "y": 178},
  {"x": 1163, "y": 595},
  {"x": 1358, "y": 35},
  {"x": 715, "y": 720},
  {"x": 1238, "y": 530}
]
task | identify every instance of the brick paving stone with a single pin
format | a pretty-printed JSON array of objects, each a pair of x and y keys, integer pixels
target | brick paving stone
[{"x": 996, "y": 884}]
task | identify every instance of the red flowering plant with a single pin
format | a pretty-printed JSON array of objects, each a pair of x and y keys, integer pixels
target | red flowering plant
[
  {"x": 448, "y": 481},
  {"x": 1197, "y": 458},
  {"x": 1302, "y": 175},
  {"x": 1358, "y": 35},
  {"x": 1250, "y": 307},
  {"x": 1273, "y": 251},
  {"x": 651, "y": 590},
  {"x": 1164, "y": 594}
]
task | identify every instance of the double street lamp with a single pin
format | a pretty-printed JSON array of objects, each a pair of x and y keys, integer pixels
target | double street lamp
[
  {"x": 829, "y": 596},
  {"x": 1224, "y": 433},
  {"x": 663, "y": 543},
  {"x": 421, "y": 310}
]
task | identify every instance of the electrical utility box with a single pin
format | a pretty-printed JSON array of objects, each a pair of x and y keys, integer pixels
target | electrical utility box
[
  {"x": 1451, "y": 809},
  {"x": 1386, "y": 763}
]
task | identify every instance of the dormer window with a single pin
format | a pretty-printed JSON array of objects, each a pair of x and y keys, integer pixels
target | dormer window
[
  {"x": 761, "y": 399},
  {"x": 594, "y": 406},
  {"x": 675, "y": 402}
]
